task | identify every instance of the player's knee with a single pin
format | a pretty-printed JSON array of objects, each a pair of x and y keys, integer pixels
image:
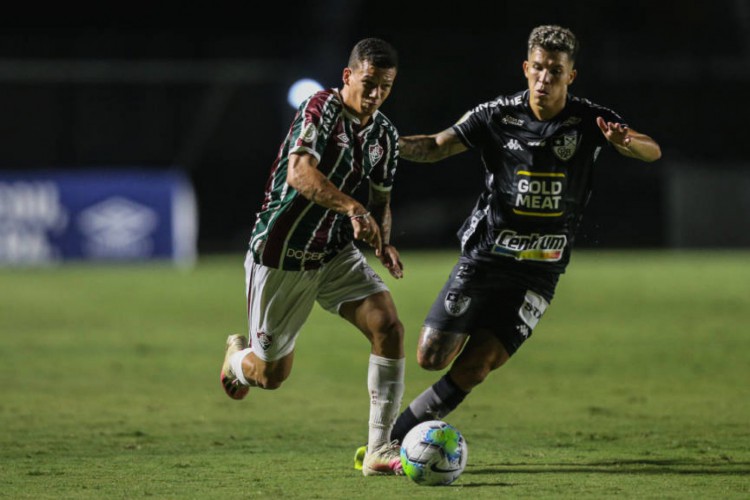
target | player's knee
[
  {"x": 433, "y": 360},
  {"x": 390, "y": 324},
  {"x": 388, "y": 339},
  {"x": 395, "y": 329},
  {"x": 389, "y": 328},
  {"x": 437, "y": 349}
]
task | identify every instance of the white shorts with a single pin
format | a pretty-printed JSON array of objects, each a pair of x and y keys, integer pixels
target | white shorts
[{"x": 279, "y": 302}]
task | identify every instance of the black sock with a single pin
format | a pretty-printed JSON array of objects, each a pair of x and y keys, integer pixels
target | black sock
[{"x": 433, "y": 404}]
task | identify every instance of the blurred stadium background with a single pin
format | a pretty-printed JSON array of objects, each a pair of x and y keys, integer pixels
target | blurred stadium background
[
  {"x": 148, "y": 129},
  {"x": 202, "y": 92}
]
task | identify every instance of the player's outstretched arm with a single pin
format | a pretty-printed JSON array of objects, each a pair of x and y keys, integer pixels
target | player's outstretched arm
[
  {"x": 430, "y": 148},
  {"x": 628, "y": 142},
  {"x": 304, "y": 176}
]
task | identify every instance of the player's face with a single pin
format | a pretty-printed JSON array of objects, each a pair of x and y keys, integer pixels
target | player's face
[
  {"x": 366, "y": 87},
  {"x": 548, "y": 75}
]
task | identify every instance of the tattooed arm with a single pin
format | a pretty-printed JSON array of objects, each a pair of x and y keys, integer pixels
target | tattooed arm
[
  {"x": 304, "y": 176},
  {"x": 430, "y": 148},
  {"x": 380, "y": 207}
]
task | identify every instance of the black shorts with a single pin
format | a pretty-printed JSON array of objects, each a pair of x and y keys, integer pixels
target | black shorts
[{"x": 479, "y": 296}]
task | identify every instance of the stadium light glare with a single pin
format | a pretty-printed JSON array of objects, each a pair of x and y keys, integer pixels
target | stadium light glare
[{"x": 301, "y": 90}]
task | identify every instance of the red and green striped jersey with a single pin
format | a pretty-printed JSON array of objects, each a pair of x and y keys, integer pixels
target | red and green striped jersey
[{"x": 290, "y": 231}]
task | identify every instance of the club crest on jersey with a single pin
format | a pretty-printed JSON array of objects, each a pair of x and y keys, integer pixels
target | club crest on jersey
[
  {"x": 456, "y": 303},
  {"x": 265, "y": 340},
  {"x": 564, "y": 146},
  {"x": 376, "y": 153}
]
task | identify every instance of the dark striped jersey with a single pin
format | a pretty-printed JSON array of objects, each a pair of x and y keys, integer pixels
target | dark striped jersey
[
  {"x": 290, "y": 231},
  {"x": 538, "y": 178}
]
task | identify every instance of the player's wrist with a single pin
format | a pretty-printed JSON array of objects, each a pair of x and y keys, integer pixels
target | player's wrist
[
  {"x": 624, "y": 145},
  {"x": 356, "y": 210},
  {"x": 360, "y": 216}
]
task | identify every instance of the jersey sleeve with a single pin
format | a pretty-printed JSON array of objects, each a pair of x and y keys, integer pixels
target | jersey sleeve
[
  {"x": 308, "y": 132},
  {"x": 472, "y": 126},
  {"x": 385, "y": 155}
]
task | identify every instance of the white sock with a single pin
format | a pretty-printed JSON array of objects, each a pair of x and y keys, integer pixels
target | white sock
[
  {"x": 385, "y": 381},
  {"x": 235, "y": 361}
]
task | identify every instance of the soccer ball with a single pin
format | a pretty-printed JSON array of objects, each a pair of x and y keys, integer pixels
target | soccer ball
[{"x": 434, "y": 453}]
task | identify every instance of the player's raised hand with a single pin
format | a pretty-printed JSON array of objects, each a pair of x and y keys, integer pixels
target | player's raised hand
[
  {"x": 391, "y": 260},
  {"x": 616, "y": 133}
]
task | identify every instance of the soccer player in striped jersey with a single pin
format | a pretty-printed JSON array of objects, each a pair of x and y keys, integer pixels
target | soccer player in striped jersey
[
  {"x": 302, "y": 247},
  {"x": 538, "y": 148}
]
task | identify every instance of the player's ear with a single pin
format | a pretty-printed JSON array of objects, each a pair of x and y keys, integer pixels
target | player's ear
[
  {"x": 346, "y": 76},
  {"x": 526, "y": 69},
  {"x": 573, "y": 74}
]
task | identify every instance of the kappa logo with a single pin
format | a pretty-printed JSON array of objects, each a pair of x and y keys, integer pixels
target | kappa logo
[
  {"x": 265, "y": 340},
  {"x": 376, "y": 153},
  {"x": 513, "y": 145},
  {"x": 456, "y": 303},
  {"x": 523, "y": 330},
  {"x": 565, "y": 146}
]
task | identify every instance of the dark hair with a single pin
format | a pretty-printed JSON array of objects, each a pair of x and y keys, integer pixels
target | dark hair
[
  {"x": 377, "y": 52},
  {"x": 554, "y": 39}
]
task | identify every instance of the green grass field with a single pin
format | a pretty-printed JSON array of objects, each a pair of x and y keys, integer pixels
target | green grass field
[{"x": 635, "y": 384}]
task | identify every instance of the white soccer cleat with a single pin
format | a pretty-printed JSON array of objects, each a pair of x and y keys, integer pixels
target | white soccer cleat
[
  {"x": 383, "y": 461},
  {"x": 229, "y": 381}
]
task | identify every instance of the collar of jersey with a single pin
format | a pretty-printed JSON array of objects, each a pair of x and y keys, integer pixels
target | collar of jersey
[{"x": 350, "y": 116}]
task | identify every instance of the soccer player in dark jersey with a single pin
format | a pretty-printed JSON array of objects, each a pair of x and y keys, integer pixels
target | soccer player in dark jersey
[
  {"x": 302, "y": 244},
  {"x": 538, "y": 149}
]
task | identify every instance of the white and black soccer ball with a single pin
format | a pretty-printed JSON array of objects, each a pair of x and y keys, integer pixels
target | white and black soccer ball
[{"x": 434, "y": 453}]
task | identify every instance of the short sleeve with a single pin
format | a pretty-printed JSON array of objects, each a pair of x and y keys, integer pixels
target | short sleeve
[
  {"x": 472, "y": 126},
  {"x": 308, "y": 135}
]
